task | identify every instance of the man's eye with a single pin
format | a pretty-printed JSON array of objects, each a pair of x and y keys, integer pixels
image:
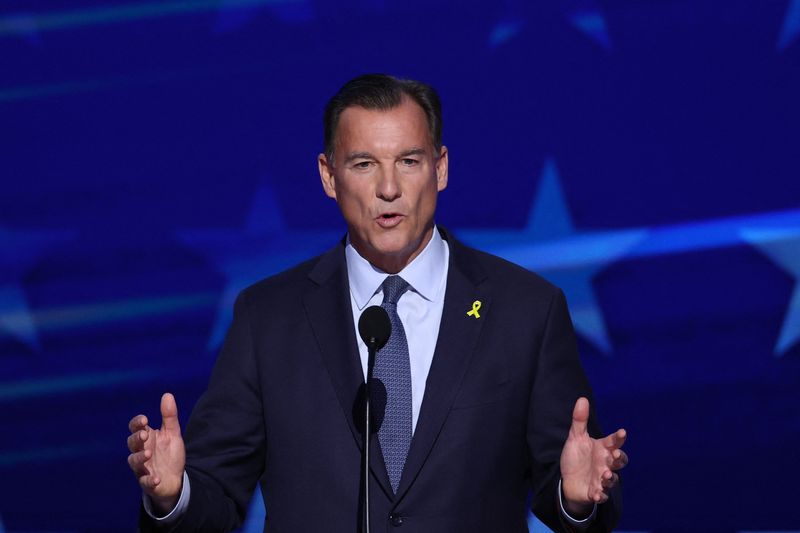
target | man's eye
[
  {"x": 363, "y": 165},
  {"x": 407, "y": 161}
]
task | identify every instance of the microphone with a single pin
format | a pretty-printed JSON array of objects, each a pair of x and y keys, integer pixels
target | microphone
[{"x": 374, "y": 327}]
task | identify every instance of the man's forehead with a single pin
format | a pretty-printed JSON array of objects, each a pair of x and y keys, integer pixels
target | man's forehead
[
  {"x": 407, "y": 106},
  {"x": 404, "y": 120}
]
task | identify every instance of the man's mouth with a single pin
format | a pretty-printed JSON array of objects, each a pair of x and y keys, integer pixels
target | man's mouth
[{"x": 389, "y": 220}]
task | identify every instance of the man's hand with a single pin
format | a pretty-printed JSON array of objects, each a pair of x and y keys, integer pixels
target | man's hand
[
  {"x": 588, "y": 466},
  {"x": 158, "y": 455}
]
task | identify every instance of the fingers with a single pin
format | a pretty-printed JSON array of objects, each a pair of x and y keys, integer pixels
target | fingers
[
  {"x": 137, "y": 462},
  {"x": 136, "y": 440},
  {"x": 580, "y": 416},
  {"x": 599, "y": 493},
  {"x": 169, "y": 414},
  {"x": 619, "y": 460},
  {"x": 137, "y": 422},
  {"x": 609, "y": 480},
  {"x": 149, "y": 483},
  {"x": 615, "y": 440}
]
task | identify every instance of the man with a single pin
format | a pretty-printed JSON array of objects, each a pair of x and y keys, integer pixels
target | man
[{"x": 481, "y": 373}]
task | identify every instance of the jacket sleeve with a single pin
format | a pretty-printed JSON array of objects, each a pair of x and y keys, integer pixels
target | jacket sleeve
[
  {"x": 559, "y": 381},
  {"x": 225, "y": 437}
]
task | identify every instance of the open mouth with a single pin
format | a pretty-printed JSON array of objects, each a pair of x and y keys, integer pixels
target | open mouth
[{"x": 388, "y": 220}]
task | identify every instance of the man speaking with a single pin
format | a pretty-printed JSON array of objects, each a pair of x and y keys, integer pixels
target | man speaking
[{"x": 486, "y": 406}]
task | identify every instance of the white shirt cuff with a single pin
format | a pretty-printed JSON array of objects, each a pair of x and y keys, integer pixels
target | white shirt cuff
[
  {"x": 177, "y": 512},
  {"x": 579, "y": 524}
]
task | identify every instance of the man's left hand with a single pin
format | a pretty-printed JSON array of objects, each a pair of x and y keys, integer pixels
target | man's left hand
[{"x": 588, "y": 465}]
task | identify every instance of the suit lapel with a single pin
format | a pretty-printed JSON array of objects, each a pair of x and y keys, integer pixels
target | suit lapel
[
  {"x": 458, "y": 335},
  {"x": 330, "y": 314}
]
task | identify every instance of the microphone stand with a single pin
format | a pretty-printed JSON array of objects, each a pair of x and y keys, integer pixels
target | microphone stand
[
  {"x": 371, "y": 349},
  {"x": 374, "y": 328}
]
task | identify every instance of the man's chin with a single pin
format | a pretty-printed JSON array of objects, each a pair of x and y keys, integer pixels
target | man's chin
[
  {"x": 388, "y": 254},
  {"x": 395, "y": 244}
]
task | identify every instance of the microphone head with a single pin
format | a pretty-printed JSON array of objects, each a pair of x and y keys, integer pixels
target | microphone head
[{"x": 374, "y": 326}]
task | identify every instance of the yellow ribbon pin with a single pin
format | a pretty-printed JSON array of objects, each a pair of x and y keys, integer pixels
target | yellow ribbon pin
[{"x": 475, "y": 306}]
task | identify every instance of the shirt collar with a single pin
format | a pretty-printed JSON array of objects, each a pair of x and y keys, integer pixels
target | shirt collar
[{"x": 424, "y": 274}]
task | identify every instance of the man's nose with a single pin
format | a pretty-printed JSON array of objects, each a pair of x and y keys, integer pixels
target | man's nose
[{"x": 388, "y": 184}]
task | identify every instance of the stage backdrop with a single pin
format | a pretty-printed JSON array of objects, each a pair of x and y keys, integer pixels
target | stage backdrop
[{"x": 158, "y": 156}]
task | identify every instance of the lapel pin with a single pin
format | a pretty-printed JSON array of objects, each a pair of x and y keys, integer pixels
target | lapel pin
[{"x": 476, "y": 305}]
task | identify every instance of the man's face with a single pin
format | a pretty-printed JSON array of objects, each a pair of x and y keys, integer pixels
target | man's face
[{"x": 385, "y": 177}]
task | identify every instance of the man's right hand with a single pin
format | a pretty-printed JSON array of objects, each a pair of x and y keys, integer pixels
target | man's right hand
[{"x": 158, "y": 456}]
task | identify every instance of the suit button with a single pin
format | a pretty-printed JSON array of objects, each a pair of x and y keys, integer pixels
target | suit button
[{"x": 396, "y": 519}]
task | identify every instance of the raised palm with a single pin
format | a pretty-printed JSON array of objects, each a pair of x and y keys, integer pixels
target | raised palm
[{"x": 158, "y": 456}]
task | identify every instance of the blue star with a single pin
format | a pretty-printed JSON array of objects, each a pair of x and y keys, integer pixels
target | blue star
[
  {"x": 551, "y": 246},
  {"x": 234, "y": 14},
  {"x": 587, "y": 17},
  {"x": 19, "y": 251},
  {"x": 782, "y": 246},
  {"x": 262, "y": 248},
  {"x": 504, "y": 31},
  {"x": 536, "y": 526},
  {"x": 23, "y": 24},
  {"x": 255, "y": 515},
  {"x": 791, "y": 25}
]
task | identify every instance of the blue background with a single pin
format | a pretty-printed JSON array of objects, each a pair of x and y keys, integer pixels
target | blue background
[{"x": 157, "y": 157}]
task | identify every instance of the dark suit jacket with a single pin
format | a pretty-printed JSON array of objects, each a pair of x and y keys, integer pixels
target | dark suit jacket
[{"x": 280, "y": 407}]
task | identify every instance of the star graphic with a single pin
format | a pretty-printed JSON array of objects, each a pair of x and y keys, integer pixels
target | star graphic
[
  {"x": 536, "y": 526},
  {"x": 551, "y": 246},
  {"x": 504, "y": 31},
  {"x": 587, "y": 17},
  {"x": 19, "y": 251},
  {"x": 263, "y": 247},
  {"x": 255, "y": 515},
  {"x": 791, "y": 25},
  {"x": 22, "y": 24},
  {"x": 584, "y": 15},
  {"x": 782, "y": 246},
  {"x": 235, "y": 14}
]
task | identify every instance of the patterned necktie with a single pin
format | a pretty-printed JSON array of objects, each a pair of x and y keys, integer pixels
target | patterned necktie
[{"x": 393, "y": 368}]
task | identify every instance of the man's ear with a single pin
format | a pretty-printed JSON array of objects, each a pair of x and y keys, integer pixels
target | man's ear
[
  {"x": 326, "y": 176},
  {"x": 441, "y": 170}
]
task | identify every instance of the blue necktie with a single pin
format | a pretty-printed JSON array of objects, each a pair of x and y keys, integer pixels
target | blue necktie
[{"x": 393, "y": 368}]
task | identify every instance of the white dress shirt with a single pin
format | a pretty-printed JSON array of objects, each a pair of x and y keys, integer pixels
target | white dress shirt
[{"x": 419, "y": 308}]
